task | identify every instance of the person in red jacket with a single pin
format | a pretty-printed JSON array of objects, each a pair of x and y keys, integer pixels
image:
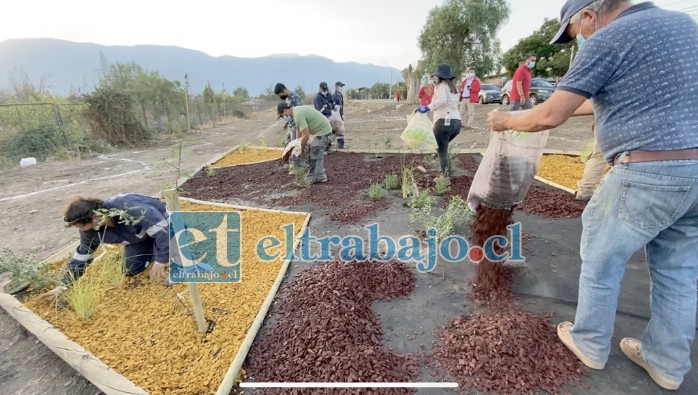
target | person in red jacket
[
  {"x": 470, "y": 94},
  {"x": 425, "y": 94}
]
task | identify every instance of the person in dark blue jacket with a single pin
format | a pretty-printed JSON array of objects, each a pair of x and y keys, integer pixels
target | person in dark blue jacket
[
  {"x": 323, "y": 100},
  {"x": 140, "y": 223}
]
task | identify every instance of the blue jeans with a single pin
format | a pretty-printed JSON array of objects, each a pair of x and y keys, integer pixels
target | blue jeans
[{"x": 652, "y": 205}]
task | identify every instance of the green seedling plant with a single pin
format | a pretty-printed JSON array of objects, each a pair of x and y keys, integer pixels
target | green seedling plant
[
  {"x": 407, "y": 182},
  {"x": 300, "y": 173},
  {"x": 243, "y": 147},
  {"x": 374, "y": 191},
  {"x": 457, "y": 213},
  {"x": 442, "y": 186},
  {"x": 420, "y": 198},
  {"x": 210, "y": 171},
  {"x": 388, "y": 142},
  {"x": 83, "y": 295},
  {"x": 391, "y": 182}
]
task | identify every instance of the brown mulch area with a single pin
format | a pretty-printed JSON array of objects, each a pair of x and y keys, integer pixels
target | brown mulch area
[
  {"x": 507, "y": 351},
  {"x": 345, "y": 195},
  {"x": 326, "y": 331}
]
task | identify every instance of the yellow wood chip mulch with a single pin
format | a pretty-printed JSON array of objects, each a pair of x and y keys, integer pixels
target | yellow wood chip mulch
[
  {"x": 248, "y": 155},
  {"x": 143, "y": 331},
  {"x": 561, "y": 169}
]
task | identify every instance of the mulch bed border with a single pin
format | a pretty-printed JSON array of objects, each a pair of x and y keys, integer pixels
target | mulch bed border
[{"x": 99, "y": 373}]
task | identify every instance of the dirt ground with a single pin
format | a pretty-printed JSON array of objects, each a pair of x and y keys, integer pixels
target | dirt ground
[{"x": 32, "y": 200}]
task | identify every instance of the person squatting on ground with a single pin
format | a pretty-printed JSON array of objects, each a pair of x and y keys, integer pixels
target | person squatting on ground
[
  {"x": 447, "y": 121},
  {"x": 338, "y": 99},
  {"x": 137, "y": 221},
  {"x": 315, "y": 132},
  {"x": 469, "y": 95},
  {"x": 649, "y": 198},
  {"x": 293, "y": 100},
  {"x": 594, "y": 169},
  {"x": 521, "y": 85}
]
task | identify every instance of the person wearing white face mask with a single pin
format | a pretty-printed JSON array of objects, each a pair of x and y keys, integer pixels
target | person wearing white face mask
[
  {"x": 470, "y": 94},
  {"x": 649, "y": 198},
  {"x": 521, "y": 85}
]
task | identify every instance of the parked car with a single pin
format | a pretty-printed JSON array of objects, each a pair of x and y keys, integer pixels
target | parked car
[
  {"x": 489, "y": 94},
  {"x": 541, "y": 90}
]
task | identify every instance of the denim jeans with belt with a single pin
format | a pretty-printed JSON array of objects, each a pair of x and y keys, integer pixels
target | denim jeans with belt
[{"x": 652, "y": 205}]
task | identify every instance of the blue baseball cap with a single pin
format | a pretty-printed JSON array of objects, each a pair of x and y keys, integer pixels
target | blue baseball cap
[{"x": 570, "y": 8}]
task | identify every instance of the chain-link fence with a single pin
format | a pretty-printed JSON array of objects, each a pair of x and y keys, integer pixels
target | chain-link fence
[{"x": 59, "y": 130}]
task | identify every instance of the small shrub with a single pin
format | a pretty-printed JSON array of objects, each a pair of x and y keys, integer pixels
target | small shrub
[
  {"x": 40, "y": 143},
  {"x": 391, "y": 182},
  {"x": 22, "y": 271},
  {"x": 420, "y": 198},
  {"x": 374, "y": 191},
  {"x": 239, "y": 114},
  {"x": 442, "y": 186}
]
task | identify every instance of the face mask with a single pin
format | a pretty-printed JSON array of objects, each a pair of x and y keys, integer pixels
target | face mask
[
  {"x": 471, "y": 75},
  {"x": 580, "y": 38},
  {"x": 338, "y": 89},
  {"x": 324, "y": 93},
  {"x": 531, "y": 64},
  {"x": 283, "y": 97}
]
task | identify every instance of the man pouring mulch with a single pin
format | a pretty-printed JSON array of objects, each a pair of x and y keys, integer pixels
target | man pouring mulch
[{"x": 315, "y": 131}]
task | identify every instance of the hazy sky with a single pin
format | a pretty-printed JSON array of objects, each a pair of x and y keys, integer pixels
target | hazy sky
[{"x": 382, "y": 32}]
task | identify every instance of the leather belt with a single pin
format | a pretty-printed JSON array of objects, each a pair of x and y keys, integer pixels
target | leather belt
[{"x": 656, "y": 156}]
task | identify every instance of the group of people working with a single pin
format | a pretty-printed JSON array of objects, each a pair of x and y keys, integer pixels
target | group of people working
[{"x": 649, "y": 198}]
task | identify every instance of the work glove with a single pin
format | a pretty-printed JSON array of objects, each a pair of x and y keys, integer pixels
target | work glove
[{"x": 423, "y": 109}]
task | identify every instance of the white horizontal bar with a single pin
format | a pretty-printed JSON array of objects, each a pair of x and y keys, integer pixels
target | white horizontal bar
[{"x": 346, "y": 385}]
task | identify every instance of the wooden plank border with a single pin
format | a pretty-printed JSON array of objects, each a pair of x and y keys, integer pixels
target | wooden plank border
[
  {"x": 234, "y": 370},
  {"x": 89, "y": 366}
]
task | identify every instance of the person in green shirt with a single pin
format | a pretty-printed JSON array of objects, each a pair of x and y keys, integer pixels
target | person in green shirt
[{"x": 315, "y": 131}]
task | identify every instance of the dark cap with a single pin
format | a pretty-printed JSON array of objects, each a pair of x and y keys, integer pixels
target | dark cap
[
  {"x": 444, "y": 72},
  {"x": 281, "y": 107},
  {"x": 323, "y": 85},
  {"x": 278, "y": 88},
  {"x": 569, "y": 9},
  {"x": 338, "y": 83}
]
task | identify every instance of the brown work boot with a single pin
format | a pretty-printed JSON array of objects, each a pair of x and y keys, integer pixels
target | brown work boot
[
  {"x": 632, "y": 349},
  {"x": 563, "y": 332}
]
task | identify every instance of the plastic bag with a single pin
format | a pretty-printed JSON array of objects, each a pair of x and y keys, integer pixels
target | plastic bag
[
  {"x": 418, "y": 134},
  {"x": 336, "y": 122},
  {"x": 507, "y": 170},
  {"x": 293, "y": 148}
]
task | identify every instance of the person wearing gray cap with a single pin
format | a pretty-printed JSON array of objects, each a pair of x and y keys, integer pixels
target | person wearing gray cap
[{"x": 638, "y": 65}]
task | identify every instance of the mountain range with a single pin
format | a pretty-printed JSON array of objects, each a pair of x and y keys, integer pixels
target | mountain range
[{"x": 66, "y": 65}]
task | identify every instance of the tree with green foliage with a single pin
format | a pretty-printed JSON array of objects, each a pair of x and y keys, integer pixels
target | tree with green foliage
[
  {"x": 241, "y": 93},
  {"x": 301, "y": 92},
  {"x": 553, "y": 59},
  {"x": 463, "y": 34}
]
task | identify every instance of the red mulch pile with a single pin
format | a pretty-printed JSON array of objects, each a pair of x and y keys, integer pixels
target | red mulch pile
[
  {"x": 549, "y": 202},
  {"x": 506, "y": 352},
  {"x": 325, "y": 330}
]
